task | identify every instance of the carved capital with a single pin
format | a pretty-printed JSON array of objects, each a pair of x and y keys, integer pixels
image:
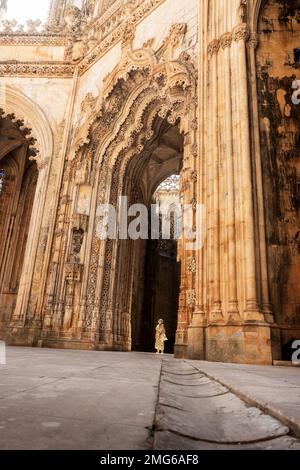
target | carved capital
[
  {"x": 253, "y": 41},
  {"x": 213, "y": 47},
  {"x": 226, "y": 40},
  {"x": 241, "y": 33},
  {"x": 191, "y": 297}
]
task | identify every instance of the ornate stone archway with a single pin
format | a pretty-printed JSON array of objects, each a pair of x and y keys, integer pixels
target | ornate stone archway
[
  {"x": 81, "y": 306},
  {"x": 26, "y": 114}
]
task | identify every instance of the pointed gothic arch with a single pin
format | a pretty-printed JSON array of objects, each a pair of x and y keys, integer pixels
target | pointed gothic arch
[{"x": 28, "y": 115}]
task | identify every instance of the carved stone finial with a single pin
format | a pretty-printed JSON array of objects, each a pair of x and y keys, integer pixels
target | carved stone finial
[
  {"x": 73, "y": 19},
  {"x": 9, "y": 25},
  {"x": 174, "y": 38},
  {"x": 32, "y": 25}
]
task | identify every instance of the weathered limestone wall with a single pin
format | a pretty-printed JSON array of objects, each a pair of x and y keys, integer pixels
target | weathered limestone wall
[
  {"x": 43, "y": 104},
  {"x": 32, "y": 53},
  {"x": 157, "y": 25},
  {"x": 50, "y": 94},
  {"x": 278, "y": 66}
]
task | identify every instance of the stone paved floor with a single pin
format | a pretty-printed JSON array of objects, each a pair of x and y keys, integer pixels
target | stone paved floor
[{"x": 63, "y": 399}]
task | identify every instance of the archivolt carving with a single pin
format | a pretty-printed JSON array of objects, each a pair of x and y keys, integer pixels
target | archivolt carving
[
  {"x": 137, "y": 70},
  {"x": 139, "y": 89},
  {"x": 32, "y": 117}
]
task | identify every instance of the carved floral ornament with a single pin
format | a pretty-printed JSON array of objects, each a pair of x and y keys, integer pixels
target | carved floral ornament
[{"x": 141, "y": 69}]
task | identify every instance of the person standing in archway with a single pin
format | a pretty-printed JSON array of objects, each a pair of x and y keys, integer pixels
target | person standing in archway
[{"x": 160, "y": 337}]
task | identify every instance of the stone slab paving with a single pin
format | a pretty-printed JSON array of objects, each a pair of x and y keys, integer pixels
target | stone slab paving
[
  {"x": 275, "y": 390},
  {"x": 63, "y": 399},
  {"x": 196, "y": 412}
]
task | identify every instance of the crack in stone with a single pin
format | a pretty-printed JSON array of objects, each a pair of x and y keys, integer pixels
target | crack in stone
[
  {"x": 174, "y": 407},
  {"x": 32, "y": 388}
]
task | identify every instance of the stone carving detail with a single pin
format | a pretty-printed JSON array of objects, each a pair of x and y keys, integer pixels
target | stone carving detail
[
  {"x": 77, "y": 240},
  {"x": 9, "y": 25},
  {"x": 46, "y": 69},
  {"x": 192, "y": 265},
  {"x": 73, "y": 272},
  {"x": 191, "y": 297},
  {"x": 241, "y": 33},
  {"x": 226, "y": 40},
  {"x": 20, "y": 37},
  {"x": 80, "y": 222},
  {"x": 19, "y": 122},
  {"x": 32, "y": 26},
  {"x": 85, "y": 43},
  {"x": 73, "y": 19},
  {"x": 253, "y": 40},
  {"x": 140, "y": 66},
  {"x": 213, "y": 47}
]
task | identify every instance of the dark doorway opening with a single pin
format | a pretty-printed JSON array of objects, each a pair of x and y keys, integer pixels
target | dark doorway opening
[
  {"x": 161, "y": 293},
  {"x": 159, "y": 283},
  {"x": 18, "y": 179}
]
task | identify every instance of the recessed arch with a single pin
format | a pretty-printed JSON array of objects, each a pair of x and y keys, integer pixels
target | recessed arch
[
  {"x": 23, "y": 109},
  {"x": 13, "y": 101},
  {"x": 146, "y": 90}
]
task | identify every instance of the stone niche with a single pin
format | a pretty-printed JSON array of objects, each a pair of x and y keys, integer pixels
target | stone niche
[{"x": 84, "y": 200}]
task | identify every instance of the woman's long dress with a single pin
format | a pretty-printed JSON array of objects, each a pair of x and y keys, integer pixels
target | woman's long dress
[{"x": 160, "y": 335}]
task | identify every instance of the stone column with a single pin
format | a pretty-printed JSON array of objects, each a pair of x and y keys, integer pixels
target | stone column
[
  {"x": 216, "y": 306},
  {"x": 196, "y": 330},
  {"x": 230, "y": 231},
  {"x": 240, "y": 36}
]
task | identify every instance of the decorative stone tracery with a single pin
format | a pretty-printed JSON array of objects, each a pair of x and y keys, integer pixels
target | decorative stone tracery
[{"x": 144, "y": 87}]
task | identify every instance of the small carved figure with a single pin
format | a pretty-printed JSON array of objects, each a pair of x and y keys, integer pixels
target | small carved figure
[{"x": 160, "y": 337}]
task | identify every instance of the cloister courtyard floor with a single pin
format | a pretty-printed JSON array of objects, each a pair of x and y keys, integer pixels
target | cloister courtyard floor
[{"x": 67, "y": 399}]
